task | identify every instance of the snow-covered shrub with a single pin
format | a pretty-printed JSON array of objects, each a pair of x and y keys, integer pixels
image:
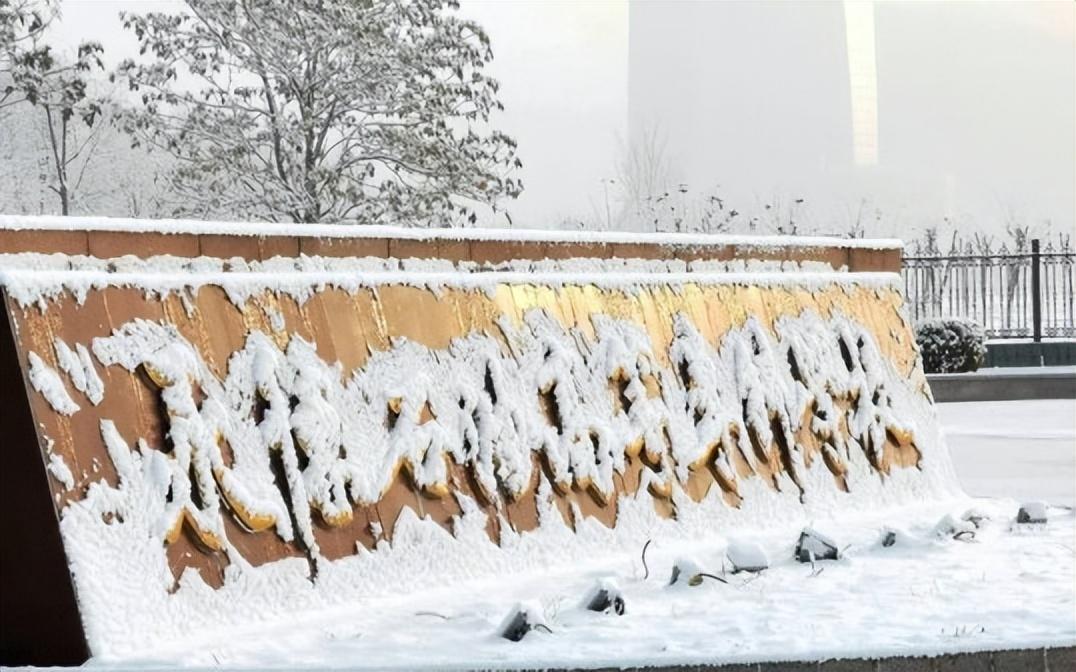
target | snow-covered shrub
[{"x": 950, "y": 344}]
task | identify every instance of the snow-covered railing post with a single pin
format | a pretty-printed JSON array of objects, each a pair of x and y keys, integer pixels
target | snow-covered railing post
[{"x": 1036, "y": 291}]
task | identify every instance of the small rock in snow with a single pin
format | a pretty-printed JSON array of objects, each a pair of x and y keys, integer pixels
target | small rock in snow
[
  {"x": 747, "y": 556},
  {"x": 606, "y": 597},
  {"x": 950, "y": 526},
  {"x": 523, "y": 618},
  {"x": 815, "y": 546},
  {"x": 1031, "y": 513},
  {"x": 890, "y": 536}
]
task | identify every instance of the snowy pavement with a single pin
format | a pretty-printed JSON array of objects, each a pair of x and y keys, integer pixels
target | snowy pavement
[
  {"x": 1020, "y": 449},
  {"x": 1004, "y": 586}
]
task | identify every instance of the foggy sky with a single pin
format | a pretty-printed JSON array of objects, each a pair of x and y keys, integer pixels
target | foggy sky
[
  {"x": 975, "y": 108},
  {"x": 976, "y": 103}
]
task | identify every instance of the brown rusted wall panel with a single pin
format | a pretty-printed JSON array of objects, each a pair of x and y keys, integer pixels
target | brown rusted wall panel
[
  {"x": 696, "y": 253},
  {"x": 250, "y": 248},
  {"x": 349, "y": 327},
  {"x": 637, "y": 251},
  {"x": 862, "y": 260},
  {"x": 109, "y": 244},
  {"x": 497, "y": 251},
  {"x": 226, "y": 247},
  {"x": 344, "y": 247},
  {"x": 575, "y": 250},
  {"x": 44, "y": 242},
  {"x": 451, "y": 250}
]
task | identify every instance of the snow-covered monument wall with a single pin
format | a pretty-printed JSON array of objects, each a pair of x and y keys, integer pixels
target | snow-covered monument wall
[{"x": 209, "y": 425}]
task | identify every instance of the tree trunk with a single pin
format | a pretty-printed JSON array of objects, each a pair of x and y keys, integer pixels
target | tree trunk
[{"x": 59, "y": 156}]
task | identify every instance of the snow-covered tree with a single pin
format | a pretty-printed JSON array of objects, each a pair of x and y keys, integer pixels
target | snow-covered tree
[
  {"x": 366, "y": 111},
  {"x": 107, "y": 177},
  {"x": 22, "y": 23},
  {"x": 32, "y": 74}
]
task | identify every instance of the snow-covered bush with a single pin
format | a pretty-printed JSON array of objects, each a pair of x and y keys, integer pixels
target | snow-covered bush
[{"x": 950, "y": 344}]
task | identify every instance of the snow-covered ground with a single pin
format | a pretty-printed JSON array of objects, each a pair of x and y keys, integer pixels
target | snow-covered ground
[
  {"x": 1021, "y": 449},
  {"x": 1002, "y": 586}
]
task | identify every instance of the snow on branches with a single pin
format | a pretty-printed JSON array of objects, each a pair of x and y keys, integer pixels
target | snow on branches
[{"x": 331, "y": 110}]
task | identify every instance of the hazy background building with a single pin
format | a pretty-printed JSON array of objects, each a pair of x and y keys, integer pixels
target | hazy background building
[{"x": 898, "y": 113}]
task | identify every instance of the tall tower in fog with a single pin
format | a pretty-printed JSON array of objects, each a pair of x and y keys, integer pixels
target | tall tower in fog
[
  {"x": 862, "y": 80},
  {"x": 920, "y": 111}
]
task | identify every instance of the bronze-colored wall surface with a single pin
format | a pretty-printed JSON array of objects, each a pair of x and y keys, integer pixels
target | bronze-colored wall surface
[
  {"x": 348, "y": 327},
  {"x": 147, "y": 407}
]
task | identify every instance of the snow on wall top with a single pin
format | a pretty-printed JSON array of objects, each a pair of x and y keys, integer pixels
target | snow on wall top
[
  {"x": 180, "y": 226},
  {"x": 28, "y": 286}
]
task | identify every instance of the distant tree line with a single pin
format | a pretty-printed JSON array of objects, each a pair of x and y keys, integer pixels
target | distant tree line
[{"x": 645, "y": 195}]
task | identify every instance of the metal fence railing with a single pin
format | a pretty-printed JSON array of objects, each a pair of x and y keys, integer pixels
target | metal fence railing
[{"x": 1027, "y": 294}]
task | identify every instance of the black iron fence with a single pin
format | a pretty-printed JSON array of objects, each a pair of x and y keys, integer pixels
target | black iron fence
[{"x": 1024, "y": 294}]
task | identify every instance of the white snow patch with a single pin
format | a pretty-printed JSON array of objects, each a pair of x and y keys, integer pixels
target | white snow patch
[
  {"x": 262, "y": 229},
  {"x": 1020, "y": 449},
  {"x": 48, "y": 383},
  {"x": 60, "y": 471},
  {"x": 79, "y": 367},
  {"x": 951, "y": 525},
  {"x": 276, "y": 320},
  {"x": 747, "y": 555},
  {"x": 36, "y": 278},
  {"x": 1005, "y": 591}
]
